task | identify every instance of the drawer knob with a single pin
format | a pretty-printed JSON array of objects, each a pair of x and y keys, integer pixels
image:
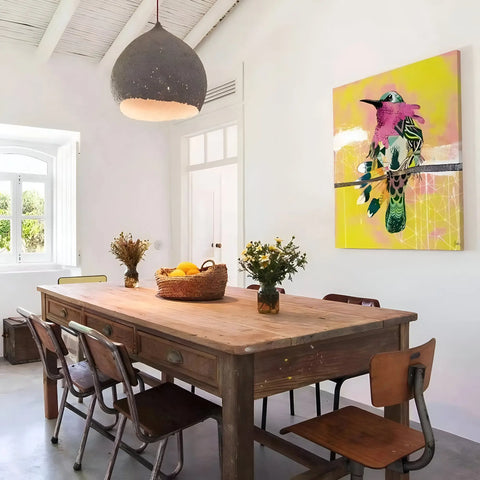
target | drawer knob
[
  {"x": 64, "y": 313},
  {"x": 174, "y": 356},
  {"x": 107, "y": 330}
]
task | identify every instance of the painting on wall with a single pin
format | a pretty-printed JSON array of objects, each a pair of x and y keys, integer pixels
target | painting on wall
[{"x": 398, "y": 171}]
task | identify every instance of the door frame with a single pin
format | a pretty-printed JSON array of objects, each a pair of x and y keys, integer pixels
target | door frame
[{"x": 179, "y": 134}]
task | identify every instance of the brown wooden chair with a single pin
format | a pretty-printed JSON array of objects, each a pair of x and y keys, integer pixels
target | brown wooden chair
[
  {"x": 366, "y": 302},
  {"x": 369, "y": 440},
  {"x": 157, "y": 414},
  {"x": 335, "y": 297},
  {"x": 77, "y": 377}
]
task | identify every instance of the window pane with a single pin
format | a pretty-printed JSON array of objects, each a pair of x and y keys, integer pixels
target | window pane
[
  {"x": 33, "y": 236},
  {"x": 215, "y": 145},
  {"x": 196, "y": 153},
  {"x": 16, "y": 163},
  {"x": 232, "y": 148},
  {"x": 5, "y": 198},
  {"x": 4, "y": 236},
  {"x": 33, "y": 198}
]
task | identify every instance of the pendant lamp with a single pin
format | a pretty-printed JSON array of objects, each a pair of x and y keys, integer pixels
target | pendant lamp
[{"x": 159, "y": 77}]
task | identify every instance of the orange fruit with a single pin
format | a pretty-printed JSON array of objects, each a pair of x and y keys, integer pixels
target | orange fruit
[
  {"x": 177, "y": 273},
  {"x": 193, "y": 271},
  {"x": 186, "y": 266}
]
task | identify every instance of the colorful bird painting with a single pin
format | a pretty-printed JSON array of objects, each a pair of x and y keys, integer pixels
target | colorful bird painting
[{"x": 395, "y": 148}]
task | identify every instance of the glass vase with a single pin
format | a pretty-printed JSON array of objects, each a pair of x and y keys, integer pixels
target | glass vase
[
  {"x": 131, "y": 277},
  {"x": 268, "y": 299}
]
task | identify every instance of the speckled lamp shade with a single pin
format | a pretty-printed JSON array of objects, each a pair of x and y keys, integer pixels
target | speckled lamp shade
[{"x": 159, "y": 77}]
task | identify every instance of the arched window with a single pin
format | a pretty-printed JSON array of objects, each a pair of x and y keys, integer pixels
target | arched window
[
  {"x": 25, "y": 205},
  {"x": 38, "y": 197}
]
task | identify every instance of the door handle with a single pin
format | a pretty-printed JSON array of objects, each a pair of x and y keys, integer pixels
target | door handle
[{"x": 216, "y": 245}]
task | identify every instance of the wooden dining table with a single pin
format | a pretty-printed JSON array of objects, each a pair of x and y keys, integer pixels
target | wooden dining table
[{"x": 228, "y": 349}]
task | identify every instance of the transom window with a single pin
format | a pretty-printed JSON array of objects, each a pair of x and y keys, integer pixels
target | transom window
[
  {"x": 25, "y": 207},
  {"x": 213, "y": 146}
]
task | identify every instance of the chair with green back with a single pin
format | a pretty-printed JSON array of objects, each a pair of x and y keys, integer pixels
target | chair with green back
[{"x": 82, "y": 279}]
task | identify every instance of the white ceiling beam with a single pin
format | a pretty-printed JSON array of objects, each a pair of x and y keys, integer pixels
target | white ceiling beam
[
  {"x": 208, "y": 21},
  {"x": 55, "y": 29},
  {"x": 129, "y": 32}
]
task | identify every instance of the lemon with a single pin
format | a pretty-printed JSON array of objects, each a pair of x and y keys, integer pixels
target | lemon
[
  {"x": 193, "y": 271},
  {"x": 186, "y": 266},
  {"x": 177, "y": 273}
]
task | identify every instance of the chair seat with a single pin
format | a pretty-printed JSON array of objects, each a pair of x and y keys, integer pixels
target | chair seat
[
  {"x": 82, "y": 378},
  {"x": 361, "y": 436},
  {"x": 168, "y": 408}
]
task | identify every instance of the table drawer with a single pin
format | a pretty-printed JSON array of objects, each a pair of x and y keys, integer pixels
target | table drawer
[
  {"x": 115, "y": 331},
  {"x": 178, "y": 359},
  {"x": 62, "y": 313}
]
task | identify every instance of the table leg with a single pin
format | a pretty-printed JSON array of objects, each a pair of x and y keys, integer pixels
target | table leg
[
  {"x": 237, "y": 395},
  {"x": 50, "y": 388},
  {"x": 399, "y": 413}
]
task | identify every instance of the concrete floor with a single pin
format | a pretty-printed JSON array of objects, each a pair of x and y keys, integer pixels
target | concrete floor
[{"x": 26, "y": 451}]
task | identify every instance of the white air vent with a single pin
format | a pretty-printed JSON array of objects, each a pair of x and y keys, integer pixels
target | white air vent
[{"x": 221, "y": 91}]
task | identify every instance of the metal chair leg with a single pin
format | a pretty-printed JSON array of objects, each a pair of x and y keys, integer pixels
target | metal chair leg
[
  {"x": 54, "y": 438},
  {"x": 264, "y": 413},
  {"x": 356, "y": 471},
  {"x": 336, "y": 406},
  {"x": 116, "y": 446},
  {"x": 292, "y": 403},
  {"x": 158, "y": 459},
  {"x": 318, "y": 403},
  {"x": 78, "y": 461},
  {"x": 192, "y": 388},
  {"x": 336, "y": 395},
  {"x": 179, "y": 465}
]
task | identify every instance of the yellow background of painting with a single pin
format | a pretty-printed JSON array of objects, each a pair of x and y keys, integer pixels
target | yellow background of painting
[{"x": 433, "y": 201}]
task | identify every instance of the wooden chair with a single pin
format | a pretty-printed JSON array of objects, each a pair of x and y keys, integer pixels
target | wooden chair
[
  {"x": 77, "y": 377},
  {"x": 366, "y": 302},
  {"x": 158, "y": 413},
  {"x": 369, "y": 440},
  {"x": 370, "y": 302}
]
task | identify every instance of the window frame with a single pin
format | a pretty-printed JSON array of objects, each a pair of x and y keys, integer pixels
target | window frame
[{"x": 17, "y": 179}]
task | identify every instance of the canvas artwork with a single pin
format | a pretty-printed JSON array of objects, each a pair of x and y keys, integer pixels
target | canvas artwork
[{"x": 398, "y": 171}]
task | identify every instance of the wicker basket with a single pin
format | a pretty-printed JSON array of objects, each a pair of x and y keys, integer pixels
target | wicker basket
[{"x": 209, "y": 284}]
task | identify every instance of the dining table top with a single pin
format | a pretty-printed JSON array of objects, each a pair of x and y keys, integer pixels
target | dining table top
[{"x": 231, "y": 324}]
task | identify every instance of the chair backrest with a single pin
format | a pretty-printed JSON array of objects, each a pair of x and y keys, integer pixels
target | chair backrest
[
  {"x": 47, "y": 336},
  {"x": 111, "y": 359},
  {"x": 389, "y": 374},
  {"x": 366, "y": 302},
  {"x": 83, "y": 279},
  {"x": 256, "y": 286}
]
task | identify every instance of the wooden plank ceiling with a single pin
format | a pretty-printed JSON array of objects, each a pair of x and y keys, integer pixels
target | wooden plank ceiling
[{"x": 98, "y": 30}]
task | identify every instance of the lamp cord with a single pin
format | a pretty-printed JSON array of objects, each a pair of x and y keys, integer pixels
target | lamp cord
[{"x": 157, "y": 11}]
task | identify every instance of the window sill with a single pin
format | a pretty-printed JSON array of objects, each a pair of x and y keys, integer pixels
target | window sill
[{"x": 35, "y": 268}]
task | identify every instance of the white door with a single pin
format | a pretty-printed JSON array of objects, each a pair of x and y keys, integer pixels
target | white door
[
  {"x": 213, "y": 213},
  {"x": 214, "y": 217},
  {"x": 207, "y": 219}
]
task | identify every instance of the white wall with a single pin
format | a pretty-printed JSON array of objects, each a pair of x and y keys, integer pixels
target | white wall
[
  {"x": 294, "y": 54},
  {"x": 122, "y": 172}
]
